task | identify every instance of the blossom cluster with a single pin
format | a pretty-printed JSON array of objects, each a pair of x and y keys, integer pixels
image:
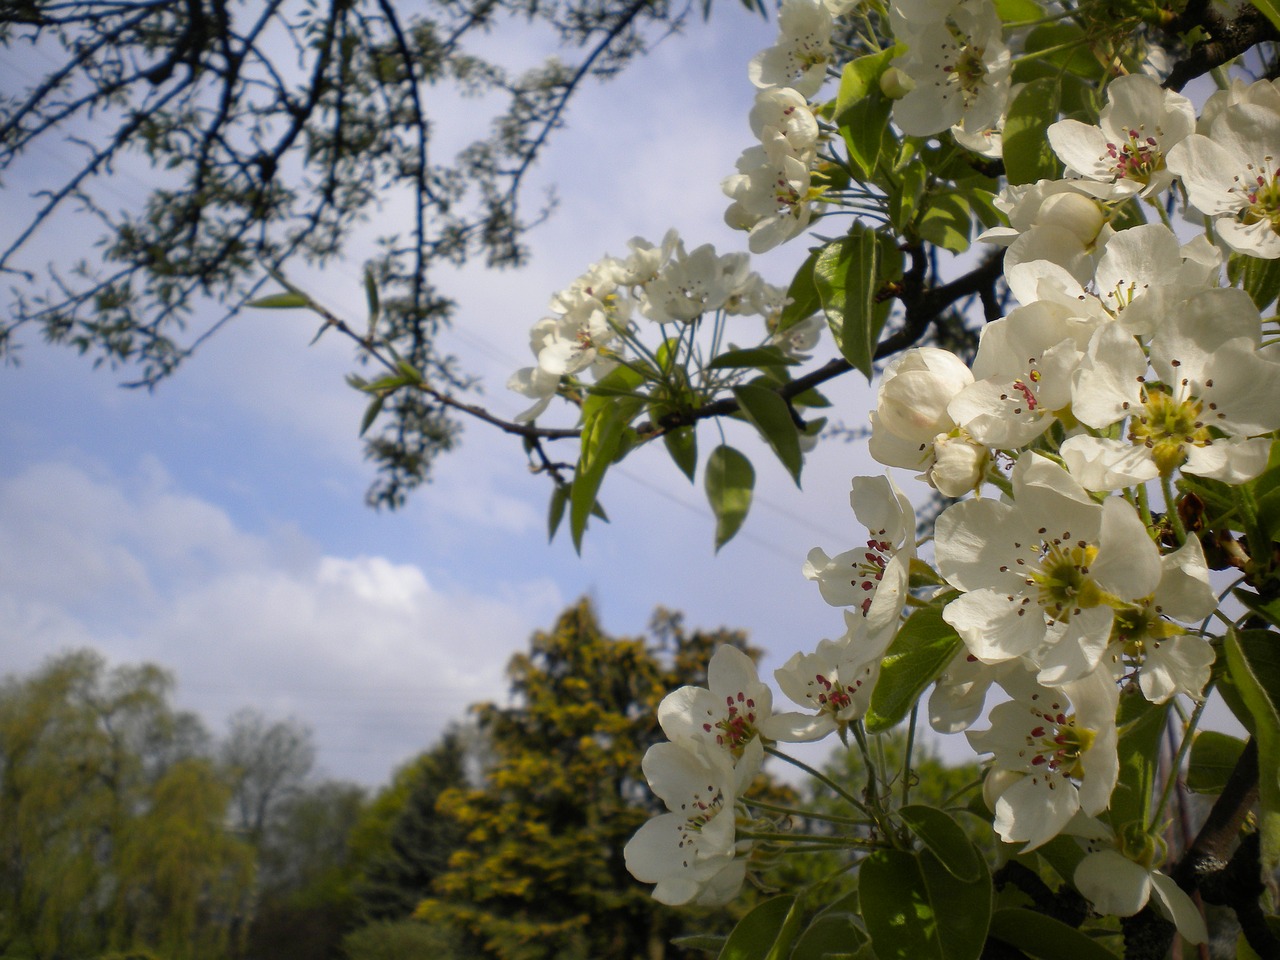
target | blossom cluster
[
  {"x": 593, "y": 319},
  {"x": 1127, "y": 363}
]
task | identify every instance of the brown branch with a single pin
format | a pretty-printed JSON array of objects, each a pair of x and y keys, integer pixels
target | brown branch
[{"x": 1228, "y": 39}]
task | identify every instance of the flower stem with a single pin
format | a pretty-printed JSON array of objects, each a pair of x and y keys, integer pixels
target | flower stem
[
  {"x": 807, "y": 814},
  {"x": 821, "y": 778},
  {"x": 1187, "y": 737}
]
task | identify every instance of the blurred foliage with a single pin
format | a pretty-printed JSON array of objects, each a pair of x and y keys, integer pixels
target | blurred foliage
[
  {"x": 263, "y": 135},
  {"x": 112, "y": 823}
]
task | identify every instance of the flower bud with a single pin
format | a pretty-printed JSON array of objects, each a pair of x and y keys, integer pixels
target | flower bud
[
  {"x": 1077, "y": 214},
  {"x": 895, "y": 84},
  {"x": 959, "y": 465}
]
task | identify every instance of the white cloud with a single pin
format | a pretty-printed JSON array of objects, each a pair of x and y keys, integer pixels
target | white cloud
[{"x": 364, "y": 648}]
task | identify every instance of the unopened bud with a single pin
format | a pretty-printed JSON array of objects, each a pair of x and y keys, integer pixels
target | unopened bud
[{"x": 895, "y": 84}]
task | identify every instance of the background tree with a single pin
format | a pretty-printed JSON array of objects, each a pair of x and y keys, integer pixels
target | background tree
[
  {"x": 112, "y": 833},
  {"x": 267, "y": 763},
  {"x": 420, "y": 840},
  {"x": 305, "y": 899}
]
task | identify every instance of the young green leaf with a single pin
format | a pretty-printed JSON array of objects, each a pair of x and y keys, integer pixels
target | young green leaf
[
  {"x": 756, "y": 933},
  {"x": 555, "y": 511},
  {"x": 919, "y": 653},
  {"x": 862, "y": 110},
  {"x": 1027, "y": 154},
  {"x": 849, "y": 275},
  {"x": 1253, "y": 660},
  {"x": 946, "y": 840},
  {"x": 602, "y": 435},
  {"x": 682, "y": 445},
  {"x": 729, "y": 480},
  {"x": 1141, "y": 724},
  {"x": 770, "y": 414},
  {"x": 916, "y": 910},
  {"x": 1040, "y": 936},
  {"x": 802, "y": 295},
  {"x": 946, "y": 221},
  {"x": 828, "y": 934},
  {"x": 1213, "y": 756},
  {"x": 281, "y": 301}
]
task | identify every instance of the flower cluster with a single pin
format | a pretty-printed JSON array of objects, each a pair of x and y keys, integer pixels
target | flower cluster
[
  {"x": 772, "y": 191},
  {"x": 594, "y": 319},
  {"x": 1127, "y": 363}
]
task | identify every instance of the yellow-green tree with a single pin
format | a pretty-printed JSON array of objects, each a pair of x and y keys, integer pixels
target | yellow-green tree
[
  {"x": 112, "y": 831},
  {"x": 540, "y": 873}
]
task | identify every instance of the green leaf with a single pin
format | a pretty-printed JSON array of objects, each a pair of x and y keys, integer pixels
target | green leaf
[
  {"x": 1270, "y": 9},
  {"x": 701, "y": 941},
  {"x": 829, "y": 933},
  {"x": 1213, "y": 756},
  {"x": 922, "y": 649},
  {"x": 754, "y": 936},
  {"x": 1253, "y": 660},
  {"x": 729, "y": 480},
  {"x": 946, "y": 221},
  {"x": 916, "y": 910},
  {"x": 1018, "y": 11},
  {"x": 770, "y": 414},
  {"x": 905, "y": 198},
  {"x": 1064, "y": 52},
  {"x": 602, "y": 433},
  {"x": 1027, "y": 154},
  {"x": 1062, "y": 853},
  {"x": 281, "y": 301},
  {"x": 371, "y": 298},
  {"x": 751, "y": 357},
  {"x": 1142, "y": 723},
  {"x": 682, "y": 445},
  {"x": 1039, "y": 935},
  {"x": 1260, "y": 278},
  {"x": 946, "y": 840},
  {"x": 555, "y": 512},
  {"x": 371, "y": 412},
  {"x": 849, "y": 275},
  {"x": 802, "y": 295},
  {"x": 862, "y": 110}
]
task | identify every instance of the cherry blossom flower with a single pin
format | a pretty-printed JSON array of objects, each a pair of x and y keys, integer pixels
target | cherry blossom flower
[
  {"x": 727, "y": 713},
  {"x": 1054, "y": 753},
  {"x": 1044, "y": 574},
  {"x": 959, "y": 65},
  {"x": 1120, "y": 883},
  {"x": 1023, "y": 368},
  {"x": 872, "y": 578},
  {"x": 689, "y": 852},
  {"x": 835, "y": 682},
  {"x": 911, "y": 426},
  {"x": 1136, "y": 129},
  {"x": 1167, "y": 659},
  {"x": 1214, "y": 398},
  {"x": 691, "y": 284},
  {"x": 1231, "y": 175},
  {"x": 786, "y": 112},
  {"x": 800, "y": 57},
  {"x": 771, "y": 194}
]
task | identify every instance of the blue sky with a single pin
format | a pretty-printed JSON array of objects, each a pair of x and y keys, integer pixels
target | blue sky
[{"x": 217, "y": 526}]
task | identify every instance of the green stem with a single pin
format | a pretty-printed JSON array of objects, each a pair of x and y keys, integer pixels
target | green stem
[
  {"x": 808, "y": 838},
  {"x": 821, "y": 778},
  {"x": 1187, "y": 737},
  {"x": 807, "y": 814},
  {"x": 906, "y": 764},
  {"x": 1171, "y": 510}
]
